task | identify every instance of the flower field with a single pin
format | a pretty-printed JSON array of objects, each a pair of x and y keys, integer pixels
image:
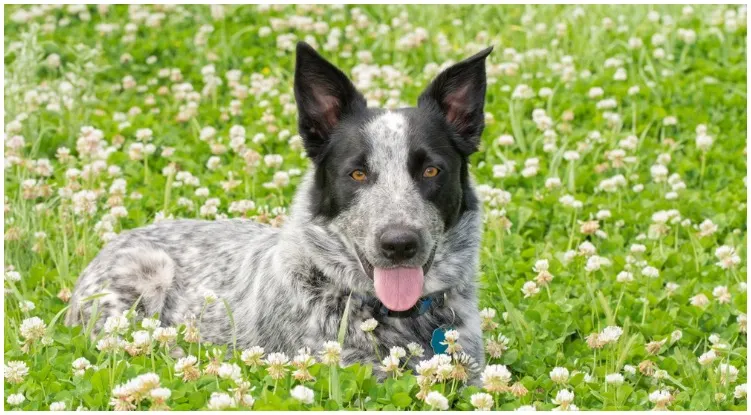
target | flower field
[{"x": 612, "y": 174}]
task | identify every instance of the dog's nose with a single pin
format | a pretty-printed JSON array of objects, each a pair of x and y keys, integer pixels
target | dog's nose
[{"x": 399, "y": 244}]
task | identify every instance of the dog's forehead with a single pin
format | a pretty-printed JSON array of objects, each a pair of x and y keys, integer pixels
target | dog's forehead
[{"x": 388, "y": 141}]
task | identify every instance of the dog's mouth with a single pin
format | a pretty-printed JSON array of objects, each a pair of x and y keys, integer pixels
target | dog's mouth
[
  {"x": 398, "y": 288},
  {"x": 369, "y": 269}
]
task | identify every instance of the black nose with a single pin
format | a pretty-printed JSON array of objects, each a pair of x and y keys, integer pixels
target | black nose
[{"x": 399, "y": 244}]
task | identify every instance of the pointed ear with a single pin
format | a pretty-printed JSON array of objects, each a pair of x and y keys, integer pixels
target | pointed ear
[
  {"x": 458, "y": 95},
  {"x": 324, "y": 96}
]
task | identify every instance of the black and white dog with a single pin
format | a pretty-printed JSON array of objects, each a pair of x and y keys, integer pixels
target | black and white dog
[{"x": 386, "y": 216}]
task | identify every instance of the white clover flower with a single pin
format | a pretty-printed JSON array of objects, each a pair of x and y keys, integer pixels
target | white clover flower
[
  {"x": 728, "y": 373},
  {"x": 614, "y": 379},
  {"x": 522, "y": 92},
  {"x": 185, "y": 367},
  {"x": 398, "y": 352},
  {"x": 369, "y": 325},
  {"x": 277, "y": 363},
  {"x": 57, "y": 406},
  {"x": 552, "y": 183},
  {"x": 451, "y": 335},
  {"x": 302, "y": 394},
  {"x": 638, "y": 249},
  {"x": 635, "y": 43},
  {"x": 594, "y": 263},
  {"x": 80, "y": 366},
  {"x": 110, "y": 344},
  {"x": 530, "y": 289},
  {"x": 26, "y": 306},
  {"x": 220, "y": 401},
  {"x": 165, "y": 335},
  {"x": 437, "y": 401},
  {"x": 707, "y": 228},
  {"x": 541, "y": 265},
  {"x": 15, "y": 371},
  {"x": 230, "y": 371},
  {"x": 415, "y": 349},
  {"x": 620, "y": 75},
  {"x": 150, "y": 323},
  {"x": 740, "y": 392},
  {"x": 742, "y": 320},
  {"x": 141, "y": 338},
  {"x": 209, "y": 296},
  {"x": 571, "y": 155},
  {"x": 116, "y": 325},
  {"x": 505, "y": 140},
  {"x": 252, "y": 356},
  {"x": 482, "y": 401},
  {"x": 659, "y": 173},
  {"x": 722, "y": 294},
  {"x": 707, "y": 358},
  {"x": 596, "y": 92},
  {"x": 564, "y": 398},
  {"x": 727, "y": 256},
  {"x": 587, "y": 249},
  {"x": 559, "y": 375},
  {"x": 32, "y": 328},
  {"x": 495, "y": 378},
  {"x": 160, "y": 394},
  {"x": 610, "y": 334},
  {"x": 331, "y": 353},
  {"x": 390, "y": 364},
  {"x": 699, "y": 300},
  {"x": 661, "y": 398},
  {"x": 650, "y": 272},
  {"x": 18, "y": 398},
  {"x": 13, "y": 276},
  {"x": 488, "y": 313},
  {"x": 704, "y": 142},
  {"x": 629, "y": 370}
]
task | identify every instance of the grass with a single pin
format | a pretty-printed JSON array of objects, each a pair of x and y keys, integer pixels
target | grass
[{"x": 610, "y": 217}]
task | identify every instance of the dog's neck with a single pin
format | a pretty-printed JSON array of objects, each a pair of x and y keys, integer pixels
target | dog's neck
[{"x": 325, "y": 248}]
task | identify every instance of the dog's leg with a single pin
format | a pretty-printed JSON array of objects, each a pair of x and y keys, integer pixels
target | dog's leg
[
  {"x": 142, "y": 274},
  {"x": 470, "y": 333}
]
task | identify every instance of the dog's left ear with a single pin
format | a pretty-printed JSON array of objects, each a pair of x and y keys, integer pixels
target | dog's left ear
[
  {"x": 458, "y": 94},
  {"x": 324, "y": 97}
]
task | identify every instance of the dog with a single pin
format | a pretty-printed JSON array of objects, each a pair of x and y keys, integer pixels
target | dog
[{"x": 386, "y": 220}]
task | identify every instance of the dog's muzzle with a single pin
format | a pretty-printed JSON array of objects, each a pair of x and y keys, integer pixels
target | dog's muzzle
[{"x": 368, "y": 268}]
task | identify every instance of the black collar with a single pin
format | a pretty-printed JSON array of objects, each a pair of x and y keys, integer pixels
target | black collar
[{"x": 422, "y": 306}]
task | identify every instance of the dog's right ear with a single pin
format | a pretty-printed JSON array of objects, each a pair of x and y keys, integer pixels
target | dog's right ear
[
  {"x": 324, "y": 96},
  {"x": 458, "y": 94}
]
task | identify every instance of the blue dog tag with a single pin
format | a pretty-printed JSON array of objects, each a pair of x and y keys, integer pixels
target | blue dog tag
[{"x": 439, "y": 337}]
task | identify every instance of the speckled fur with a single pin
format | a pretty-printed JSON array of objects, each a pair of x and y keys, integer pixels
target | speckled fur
[{"x": 287, "y": 287}]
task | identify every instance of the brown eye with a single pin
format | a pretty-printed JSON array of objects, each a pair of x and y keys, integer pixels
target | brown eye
[
  {"x": 430, "y": 172},
  {"x": 358, "y": 175}
]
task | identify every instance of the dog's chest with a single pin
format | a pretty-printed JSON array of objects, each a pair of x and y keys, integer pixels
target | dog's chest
[{"x": 400, "y": 329}]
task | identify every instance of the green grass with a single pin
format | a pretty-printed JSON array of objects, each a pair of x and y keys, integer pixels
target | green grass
[{"x": 568, "y": 50}]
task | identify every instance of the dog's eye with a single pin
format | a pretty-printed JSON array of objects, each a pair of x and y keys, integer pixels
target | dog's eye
[
  {"x": 358, "y": 175},
  {"x": 430, "y": 172}
]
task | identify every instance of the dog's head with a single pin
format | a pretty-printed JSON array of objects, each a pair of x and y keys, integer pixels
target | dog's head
[{"x": 390, "y": 182}]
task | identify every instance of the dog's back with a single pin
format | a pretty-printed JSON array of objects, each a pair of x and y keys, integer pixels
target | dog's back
[{"x": 169, "y": 265}]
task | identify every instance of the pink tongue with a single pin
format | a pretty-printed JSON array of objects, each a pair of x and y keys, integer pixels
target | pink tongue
[{"x": 398, "y": 288}]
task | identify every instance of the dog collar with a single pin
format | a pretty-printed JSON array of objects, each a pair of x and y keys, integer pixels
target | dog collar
[{"x": 422, "y": 306}]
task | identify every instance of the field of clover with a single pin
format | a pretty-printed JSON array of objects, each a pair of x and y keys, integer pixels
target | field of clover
[{"x": 613, "y": 176}]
